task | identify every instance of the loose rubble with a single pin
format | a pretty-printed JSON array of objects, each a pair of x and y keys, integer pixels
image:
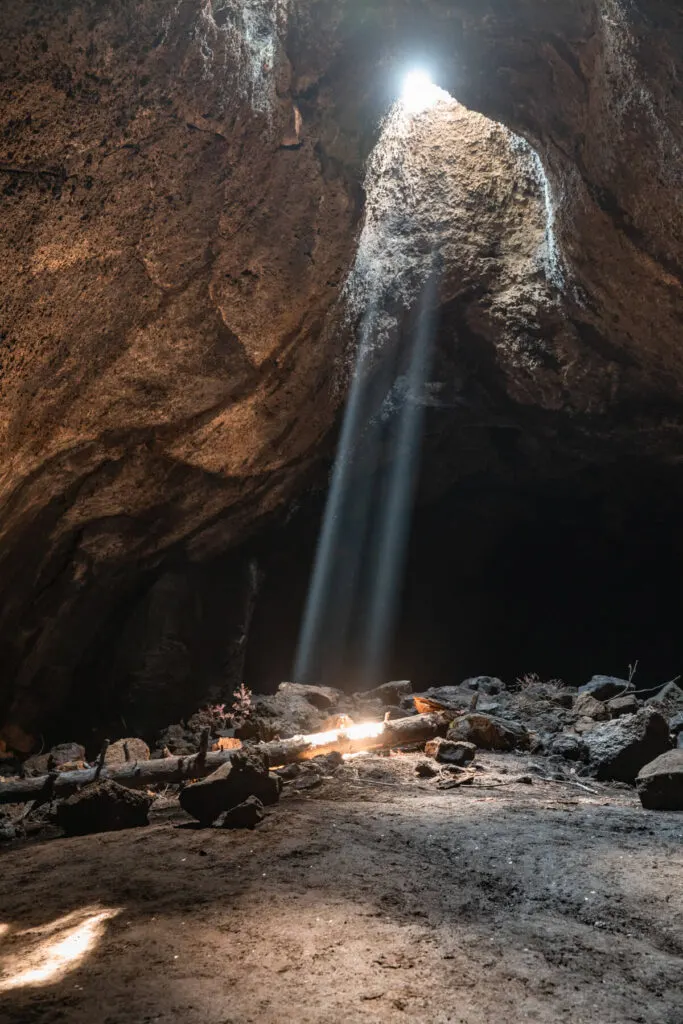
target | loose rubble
[{"x": 602, "y": 730}]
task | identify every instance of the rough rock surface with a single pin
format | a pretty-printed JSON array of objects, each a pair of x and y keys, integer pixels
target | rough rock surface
[
  {"x": 103, "y": 807},
  {"x": 451, "y": 751},
  {"x": 668, "y": 700},
  {"x": 625, "y": 705},
  {"x": 137, "y": 751},
  {"x": 620, "y": 748},
  {"x": 234, "y": 782},
  {"x": 322, "y": 697},
  {"x": 660, "y": 783},
  {"x": 490, "y": 733},
  {"x": 587, "y": 706},
  {"x": 389, "y": 694},
  {"x": 245, "y": 815},
  {"x": 569, "y": 746},
  {"x": 605, "y": 687},
  {"x": 58, "y": 756},
  {"x": 174, "y": 249},
  {"x": 484, "y": 684}
]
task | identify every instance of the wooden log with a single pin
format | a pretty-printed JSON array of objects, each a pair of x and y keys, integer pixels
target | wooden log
[{"x": 401, "y": 732}]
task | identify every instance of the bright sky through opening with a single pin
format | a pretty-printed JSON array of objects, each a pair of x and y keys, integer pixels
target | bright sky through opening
[{"x": 419, "y": 92}]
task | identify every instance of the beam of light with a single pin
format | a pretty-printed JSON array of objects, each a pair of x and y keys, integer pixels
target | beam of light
[
  {"x": 394, "y": 514},
  {"x": 338, "y": 561},
  {"x": 47, "y": 952},
  {"x": 348, "y": 613},
  {"x": 419, "y": 93}
]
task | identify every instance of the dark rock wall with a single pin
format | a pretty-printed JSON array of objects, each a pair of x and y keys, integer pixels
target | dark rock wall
[{"x": 172, "y": 253}]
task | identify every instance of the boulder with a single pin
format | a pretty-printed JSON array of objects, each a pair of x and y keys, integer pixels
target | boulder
[
  {"x": 626, "y": 705},
  {"x": 605, "y": 687},
  {"x": 288, "y": 712},
  {"x": 103, "y": 807},
  {"x": 660, "y": 783},
  {"x": 569, "y": 746},
  {"x": 587, "y": 706},
  {"x": 321, "y": 697},
  {"x": 116, "y": 752},
  {"x": 676, "y": 724},
  {"x": 456, "y": 697},
  {"x": 248, "y": 814},
  {"x": 484, "y": 684},
  {"x": 490, "y": 733},
  {"x": 669, "y": 699},
  {"x": 425, "y": 770},
  {"x": 62, "y": 754},
  {"x": 450, "y": 751},
  {"x": 244, "y": 776},
  {"x": 619, "y": 749},
  {"x": 388, "y": 693}
]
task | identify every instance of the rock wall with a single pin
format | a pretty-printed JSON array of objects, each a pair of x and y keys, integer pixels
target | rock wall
[{"x": 182, "y": 194}]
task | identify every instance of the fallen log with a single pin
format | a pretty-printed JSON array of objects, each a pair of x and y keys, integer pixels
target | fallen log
[{"x": 401, "y": 732}]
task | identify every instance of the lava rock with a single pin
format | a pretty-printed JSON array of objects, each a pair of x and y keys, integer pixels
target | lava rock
[
  {"x": 326, "y": 763},
  {"x": 8, "y": 830},
  {"x": 388, "y": 693},
  {"x": 660, "y": 783},
  {"x": 392, "y": 712},
  {"x": 245, "y": 775},
  {"x": 586, "y": 706},
  {"x": 455, "y": 697},
  {"x": 584, "y": 725},
  {"x": 426, "y": 770},
  {"x": 62, "y": 754},
  {"x": 321, "y": 697},
  {"x": 248, "y": 814},
  {"x": 669, "y": 699},
  {"x": 103, "y": 807},
  {"x": 490, "y": 733},
  {"x": 626, "y": 705},
  {"x": 569, "y": 746},
  {"x": 484, "y": 684},
  {"x": 289, "y": 712},
  {"x": 116, "y": 753},
  {"x": 446, "y": 751},
  {"x": 620, "y": 748},
  {"x": 676, "y": 724},
  {"x": 605, "y": 687}
]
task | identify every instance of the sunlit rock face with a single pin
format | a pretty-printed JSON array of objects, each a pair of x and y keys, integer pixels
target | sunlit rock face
[{"x": 182, "y": 197}]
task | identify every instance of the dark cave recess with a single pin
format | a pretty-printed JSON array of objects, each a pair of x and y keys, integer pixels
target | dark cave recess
[{"x": 564, "y": 578}]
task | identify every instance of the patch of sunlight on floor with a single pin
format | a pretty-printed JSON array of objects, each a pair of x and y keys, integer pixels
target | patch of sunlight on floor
[{"x": 45, "y": 953}]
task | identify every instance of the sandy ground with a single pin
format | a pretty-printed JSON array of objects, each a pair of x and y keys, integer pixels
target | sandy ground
[{"x": 376, "y": 899}]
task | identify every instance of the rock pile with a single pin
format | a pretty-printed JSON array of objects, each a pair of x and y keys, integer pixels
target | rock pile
[{"x": 603, "y": 729}]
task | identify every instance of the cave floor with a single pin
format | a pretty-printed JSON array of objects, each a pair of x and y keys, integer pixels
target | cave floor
[{"x": 372, "y": 898}]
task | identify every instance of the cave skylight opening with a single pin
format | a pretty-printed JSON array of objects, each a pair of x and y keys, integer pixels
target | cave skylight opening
[{"x": 418, "y": 92}]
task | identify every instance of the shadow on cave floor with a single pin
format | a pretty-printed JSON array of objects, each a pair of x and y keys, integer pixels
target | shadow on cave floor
[{"x": 364, "y": 903}]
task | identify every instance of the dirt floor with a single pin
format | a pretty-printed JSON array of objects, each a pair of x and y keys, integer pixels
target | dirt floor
[{"x": 374, "y": 897}]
